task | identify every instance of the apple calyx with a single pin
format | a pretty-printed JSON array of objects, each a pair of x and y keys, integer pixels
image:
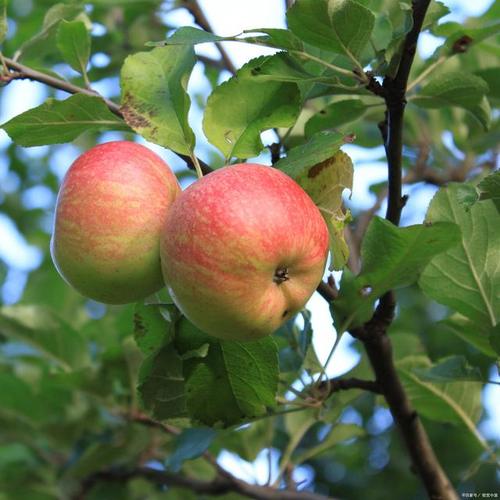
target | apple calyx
[{"x": 281, "y": 275}]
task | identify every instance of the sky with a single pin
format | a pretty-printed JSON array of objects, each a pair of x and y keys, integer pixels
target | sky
[{"x": 227, "y": 17}]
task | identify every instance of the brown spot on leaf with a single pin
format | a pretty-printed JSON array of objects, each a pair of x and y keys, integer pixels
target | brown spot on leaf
[
  {"x": 349, "y": 138},
  {"x": 316, "y": 169},
  {"x": 462, "y": 44},
  {"x": 139, "y": 326}
]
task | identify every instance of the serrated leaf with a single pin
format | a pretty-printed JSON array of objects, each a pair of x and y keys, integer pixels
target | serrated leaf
[
  {"x": 241, "y": 108},
  {"x": 466, "y": 277},
  {"x": 234, "y": 382},
  {"x": 190, "y": 444},
  {"x": 188, "y": 35},
  {"x": 456, "y": 88},
  {"x": 434, "y": 13},
  {"x": 340, "y": 26},
  {"x": 45, "y": 331},
  {"x": 392, "y": 257},
  {"x": 3, "y": 20},
  {"x": 489, "y": 189},
  {"x": 162, "y": 384},
  {"x": 56, "y": 122},
  {"x": 46, "y": 36},
  {"x": 155, "y": 102},
  {"x": 151, "y": 329},
  {"x": 73, "y": 41},
  {"x": 319, "y": 148},
  {"x": 325, "y": 183},
  {"x": 335, "y": 115},
  {"x": 450, "y": 369},
  {"x": 452, "y": 402}
]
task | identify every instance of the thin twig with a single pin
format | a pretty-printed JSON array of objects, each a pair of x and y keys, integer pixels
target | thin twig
[
  {"x": 201, "y": 19},
  {"x": 22, "y": 72}
]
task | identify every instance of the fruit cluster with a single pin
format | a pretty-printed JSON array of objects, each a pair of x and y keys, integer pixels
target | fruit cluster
[{"x": 241, "y": 250}]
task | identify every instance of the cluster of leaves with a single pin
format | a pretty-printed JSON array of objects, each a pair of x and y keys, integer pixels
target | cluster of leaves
[{"x": 73, "y": 379}]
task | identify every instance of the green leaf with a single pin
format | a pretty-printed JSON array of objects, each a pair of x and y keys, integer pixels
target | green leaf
[
  {"x": 155, "y": 102},
  {"x": 335, "y": 115},
  {"x": 162, "y": 384},
  {"x": 46, "y": 332},
  {"x": 3, "y": 20},
  {"x": 340, "y": 26},
  {"x": 457, "y": 88},
  {"x": 450, "y": 369},
  {"x": 190, "y": 444},
  {"x": 234, "y": 382},
  {"x": 319, "y": 148},
  {"x": 325, "y": 183},
  {"x": 47, "y": 35},
  {"x": 466, "y": 277},
  {"x": 56, "y": 122},
  {"x": 392, "y": 257},
  {"x": 73, "y": 40},
  {"x": 338, "y": 434},
  {"x": 452, "y": 402},
  {"x": 241, "y": 108},
  {"x": 151, "y": 329},
  {"x": 187, "y": 35},
  {"x": 18, "y": 400},
  {"x": 489, "y": 189},
  {"x": 434, "y": 13},
  {"x": 469, "y": 331}
]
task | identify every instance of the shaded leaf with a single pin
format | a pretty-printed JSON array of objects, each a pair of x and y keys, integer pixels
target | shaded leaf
[
  {"x": 73, "y": 40},
  {"x": 240, "y": 109},
  {"x": 3, "y": 20},
  {"x": 191, "y": 443},
  {"x": 453, "y": 402},
  {"x": 162, "y": 384},
  {"x": 451, "y": 369},
  {"x": 457, "y": 88},
  {"x": 46, "y": 332},
  {"x": 235, "y": 381},
  {"x": 151, "y": 329},
  {"x": 469, "y": 331},
  {"x": 489, "y": 189},
  {"x": 392, "y": 257},
  {"x": 56, "y": 122},
  {"x": 338, "y": 434},
  {"x": 466, "y": 277},
  {"x": 335, "y": 115},
  {"x": 157, "y": 107}
]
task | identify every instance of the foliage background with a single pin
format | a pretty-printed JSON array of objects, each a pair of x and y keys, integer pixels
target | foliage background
[{"x": 64, "y": 408}]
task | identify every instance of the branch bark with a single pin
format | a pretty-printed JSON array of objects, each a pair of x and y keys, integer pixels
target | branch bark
[
  {"x": 220, "y": 485},
  {"x": 374, "y": 333}
]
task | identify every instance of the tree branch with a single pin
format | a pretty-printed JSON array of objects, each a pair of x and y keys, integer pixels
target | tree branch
[
  {"x": 201, "y": 20},
  {"x": 217, "y": 486},
  {"x": 374, "y": 333},
  {"x": 344, "y": 384},
  {"x": 22, "y": 72}
]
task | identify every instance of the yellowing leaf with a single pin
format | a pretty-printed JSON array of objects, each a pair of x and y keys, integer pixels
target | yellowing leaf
[{"x": 325, "y": 183}]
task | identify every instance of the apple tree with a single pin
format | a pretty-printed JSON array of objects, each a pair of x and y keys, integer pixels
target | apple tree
[{"x": 134, "y": 401}]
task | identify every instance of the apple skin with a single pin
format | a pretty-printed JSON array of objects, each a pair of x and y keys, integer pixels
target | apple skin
[
  {"x": 242, "y": 251},
  {"x": 109, "y": 214}
]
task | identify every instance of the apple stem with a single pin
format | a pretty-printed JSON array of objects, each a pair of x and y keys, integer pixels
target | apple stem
[{"x": 197, "y": 166}]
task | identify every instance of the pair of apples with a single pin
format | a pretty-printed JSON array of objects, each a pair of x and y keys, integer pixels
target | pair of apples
[{"x": 241, "y": 250}]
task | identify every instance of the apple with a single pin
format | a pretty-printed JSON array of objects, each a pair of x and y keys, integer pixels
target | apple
[
  {"x": 242, "y": 250},
  {"x": 109, "y": 214}
]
